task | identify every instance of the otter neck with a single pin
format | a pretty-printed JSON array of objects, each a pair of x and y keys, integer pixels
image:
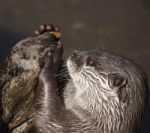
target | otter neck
[{"x": 105, "y": 109}]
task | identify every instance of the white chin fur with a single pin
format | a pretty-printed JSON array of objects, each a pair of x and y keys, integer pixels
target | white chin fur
[{"x": 71, "y": 67}]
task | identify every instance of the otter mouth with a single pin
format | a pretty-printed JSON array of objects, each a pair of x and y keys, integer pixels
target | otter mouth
[{"x": 74, "y": 63}]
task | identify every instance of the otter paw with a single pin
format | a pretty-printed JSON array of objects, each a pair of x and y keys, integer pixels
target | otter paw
[
  {"x": 46, "y": 28},
  {"x": 58, "y": 53},
  {"x": 53, "y": 59}
]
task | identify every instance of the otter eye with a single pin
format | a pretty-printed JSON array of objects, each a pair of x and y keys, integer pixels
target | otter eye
[
  {"x": 89, "y": 61},
  {"x": 116, "y": 80}
]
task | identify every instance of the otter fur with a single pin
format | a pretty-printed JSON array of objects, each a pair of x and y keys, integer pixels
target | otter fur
[{"x": 105, "y": 94}]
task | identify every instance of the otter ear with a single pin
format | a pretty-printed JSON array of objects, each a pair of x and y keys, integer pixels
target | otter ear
[{"x": 116, "y": 80}]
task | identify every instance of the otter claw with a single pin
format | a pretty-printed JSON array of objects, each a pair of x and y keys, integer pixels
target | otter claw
[
  {"x": 50, "y": 27},
  {"x": 36, "y": 32},
  {"x": 42, "y": 27},
  {"x": 47, "y": 28}
]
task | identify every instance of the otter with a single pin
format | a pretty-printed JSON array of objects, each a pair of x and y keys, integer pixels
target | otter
[{"x": 105, "y": 93}]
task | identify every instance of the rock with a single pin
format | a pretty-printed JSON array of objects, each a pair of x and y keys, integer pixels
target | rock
[{"x": 18, "y": 78}]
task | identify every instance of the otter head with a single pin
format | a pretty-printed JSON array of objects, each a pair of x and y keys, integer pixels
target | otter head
[
  {"x": 98, "y": 71},
  {"x": 113, "y": 85},
  {"x": 107, "y": 77},
  {"x": 110, "y": 84}
]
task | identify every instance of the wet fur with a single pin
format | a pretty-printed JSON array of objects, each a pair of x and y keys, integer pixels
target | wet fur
[{"x": 89, "y": 104}]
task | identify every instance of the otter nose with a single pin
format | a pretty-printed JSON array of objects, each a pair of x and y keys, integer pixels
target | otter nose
[
  {"x": 74, "y": 55},
  {"x": 76, "y": 58}
]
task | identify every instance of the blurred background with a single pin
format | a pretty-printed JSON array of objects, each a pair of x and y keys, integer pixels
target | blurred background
[{"x": 122, "y": 26}]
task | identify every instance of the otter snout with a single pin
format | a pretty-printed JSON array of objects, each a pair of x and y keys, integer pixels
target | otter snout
[
  {"x": 76, "y": 58},
  {"x": 80, "y": 59}
]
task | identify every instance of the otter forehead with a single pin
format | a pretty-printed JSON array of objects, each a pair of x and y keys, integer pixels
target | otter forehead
[{"x": 100, "y": 60}]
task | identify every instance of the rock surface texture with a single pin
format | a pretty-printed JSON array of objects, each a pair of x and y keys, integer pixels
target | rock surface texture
[{"x": 18, "y": 78}]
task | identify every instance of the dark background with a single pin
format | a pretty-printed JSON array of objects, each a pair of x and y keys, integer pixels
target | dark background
[{"x": 122, "y": 26}]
